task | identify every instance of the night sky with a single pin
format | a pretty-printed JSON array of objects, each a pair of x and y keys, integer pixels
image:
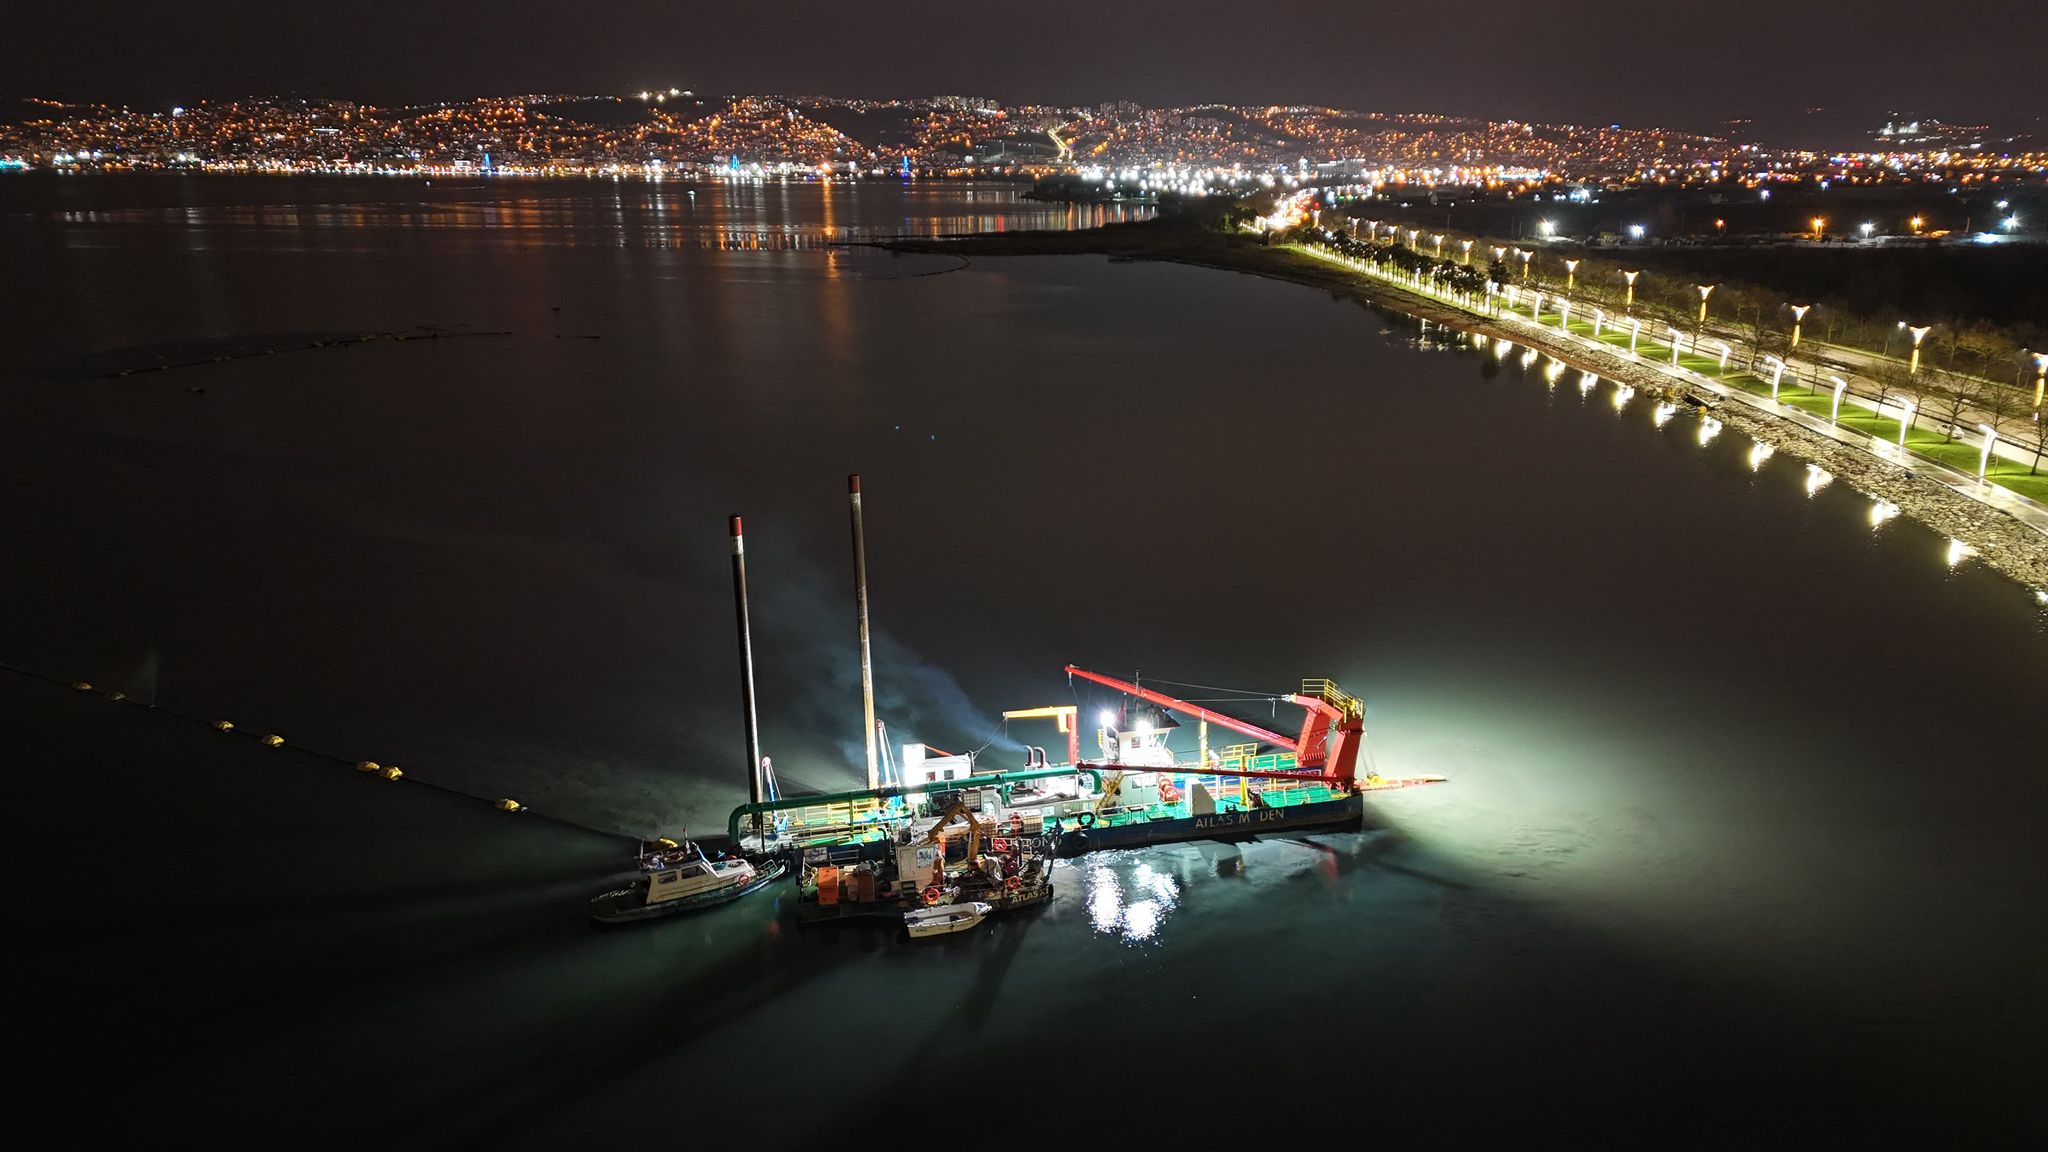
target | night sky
[{"x": 1687, "y": 65}]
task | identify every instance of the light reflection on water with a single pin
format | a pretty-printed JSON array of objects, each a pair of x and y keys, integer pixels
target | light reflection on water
[{"x": 1131, "y": 906}]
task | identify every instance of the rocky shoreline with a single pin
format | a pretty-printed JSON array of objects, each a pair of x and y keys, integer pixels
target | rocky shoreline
[{"x": 1997, "y": 539}]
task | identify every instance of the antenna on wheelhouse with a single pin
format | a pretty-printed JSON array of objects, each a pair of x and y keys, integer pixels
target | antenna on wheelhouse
[{"x": 860, "y": 600}]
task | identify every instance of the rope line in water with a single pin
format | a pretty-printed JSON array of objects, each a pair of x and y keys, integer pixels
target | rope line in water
[{"x": 271, "y": 740}]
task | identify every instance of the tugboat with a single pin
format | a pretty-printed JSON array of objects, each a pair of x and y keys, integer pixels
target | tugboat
[
  {"x": 944, "y": 919},
  {"x": 679, "y": 878}
]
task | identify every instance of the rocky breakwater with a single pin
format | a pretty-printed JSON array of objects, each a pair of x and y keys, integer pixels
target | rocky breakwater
[{"x": 2005, "y": 543}]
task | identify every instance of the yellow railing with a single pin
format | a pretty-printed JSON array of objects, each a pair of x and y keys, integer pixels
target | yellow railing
[{"x": 1328, "y": 692}]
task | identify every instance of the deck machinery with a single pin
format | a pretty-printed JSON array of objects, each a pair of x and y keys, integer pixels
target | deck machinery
[{"x": 904, "y": 845}]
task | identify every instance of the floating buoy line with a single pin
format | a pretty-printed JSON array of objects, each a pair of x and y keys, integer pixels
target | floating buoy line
[{"x": 382, "y": 771}]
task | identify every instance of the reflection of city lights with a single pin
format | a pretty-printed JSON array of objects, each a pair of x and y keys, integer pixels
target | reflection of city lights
[
  {"x": 1816, "y": 479},
  {"x": 1758, "y": 453},
  {"x": 1881, "y": 511},
  {"x": 1586, "y": 382},
  {"x": 1664, "y": 413},
  {"x": 1959, "y": 552},
  {"x": 1529, "y": 358},
  {"x": 1622, "y": 395},
  {"x": 1709, "y": 428}
]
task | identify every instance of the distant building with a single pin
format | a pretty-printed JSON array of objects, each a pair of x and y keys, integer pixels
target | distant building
[{"x": 1900, "y": 134}]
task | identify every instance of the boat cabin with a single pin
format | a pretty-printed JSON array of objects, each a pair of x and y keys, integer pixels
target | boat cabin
[{"x": 695, "y": 878}]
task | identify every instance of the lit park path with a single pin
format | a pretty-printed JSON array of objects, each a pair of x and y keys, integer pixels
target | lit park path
[{"x": 1853, "y": 421}]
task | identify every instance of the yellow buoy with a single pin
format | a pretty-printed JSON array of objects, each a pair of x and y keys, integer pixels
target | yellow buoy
[
  {"x": 510, "y": 806},
  {"x": 368, "y": 766},
  {"x": 273, "y": 740},
  {"x": 224, "y": 725},
  {"x": 81, "y": 686},
  {"x": 665, "y": 842},
  {"x": 391, "y": 772}
]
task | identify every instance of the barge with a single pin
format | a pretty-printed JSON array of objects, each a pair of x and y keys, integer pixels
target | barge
[
  {"x": 946, "y": 831},
  {"x": 937, "y": 831}
]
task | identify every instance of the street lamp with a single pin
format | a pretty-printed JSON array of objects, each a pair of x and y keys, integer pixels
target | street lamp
[
  {"x": 1571, "y": 275},
  {"x": 1439, "y": 246},
  {"x": 1600, "y": 317},
  {"x": 1412, "y": 234},
  {"x": 1777, "y": 374},
  {"x": 1798, "y": 313},
  {"x": 1546, "y": 227},
  {"x": 1866, "y": 228},
  {"x": 1535, "y": 307},
  {"x": 1631, "y": 277},
  {"x": 1674, "y": 344},
  {"x": 1918, "y": 334},
  {"x": 1467, "y": 246},
  {"x": 1706, "y": 290},
  {"x": 1990, "y": 438},
  {"x": 1905, "y": 422},
  {"x": 1918, "y": 222},
  {"x": 1840, "y": 385},
  {"x": 1818, "y": 223},
  {"x": 1724, "y": 355},
  {"x": 2040, "y": 378},
  {"x": 1635, "y": 329},
  {"x": 1525, "y": 266}
]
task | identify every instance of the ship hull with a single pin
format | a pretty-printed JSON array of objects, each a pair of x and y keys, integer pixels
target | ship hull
[{"x": 1345, "y": 812}]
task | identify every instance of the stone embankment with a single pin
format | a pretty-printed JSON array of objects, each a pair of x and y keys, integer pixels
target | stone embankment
[
  {"x": 2000, "y": 541},
  {"x": 1997, "y": 539}
]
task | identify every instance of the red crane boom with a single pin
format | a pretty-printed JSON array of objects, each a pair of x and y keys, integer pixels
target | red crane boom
[
  {"x": 1185, "y": 708},
  {"x": 1331, "y": 734}
]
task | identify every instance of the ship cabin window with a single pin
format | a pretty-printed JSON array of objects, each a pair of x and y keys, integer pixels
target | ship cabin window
[
  {"x": 691, "y": 870},
  {"x": 665, "y": 878}
]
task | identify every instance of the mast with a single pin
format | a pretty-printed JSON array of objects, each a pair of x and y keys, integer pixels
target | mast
[
  {"x": 739, "y": 593},
  {"x": 860, "y": 600}
]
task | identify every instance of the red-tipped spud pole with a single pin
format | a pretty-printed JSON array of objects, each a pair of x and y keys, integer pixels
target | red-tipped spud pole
[
  {"x": 860, "y": 600},
  {"x": 739, "y": 594}
]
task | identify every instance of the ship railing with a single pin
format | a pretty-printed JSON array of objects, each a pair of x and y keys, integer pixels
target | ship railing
[
  {"x": 844, "y": 819},
  {"x": 1328, "y": 692}
]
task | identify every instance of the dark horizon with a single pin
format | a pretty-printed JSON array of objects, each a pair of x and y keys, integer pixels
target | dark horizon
[{"x": 1827, "y": 83}]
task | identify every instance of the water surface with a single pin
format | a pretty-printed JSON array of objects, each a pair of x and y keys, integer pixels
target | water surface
[{"x": 1745, "y": 789}]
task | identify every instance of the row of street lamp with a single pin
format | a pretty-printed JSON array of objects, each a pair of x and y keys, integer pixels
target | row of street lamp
[
  {"x": 1777, "y": 365},
  {"x": 1571, "y": 267}
]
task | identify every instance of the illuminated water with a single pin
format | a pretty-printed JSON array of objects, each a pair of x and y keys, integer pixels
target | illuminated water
[{"x": 1746, "y": 776}]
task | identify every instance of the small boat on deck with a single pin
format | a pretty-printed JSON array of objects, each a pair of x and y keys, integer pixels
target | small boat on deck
[
  {"x": 944, "y": 918},
  {"x": 680, "y": 880}
]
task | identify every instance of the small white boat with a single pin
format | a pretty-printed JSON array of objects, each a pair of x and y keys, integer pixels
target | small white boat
[
  {"x": 681, "y": 879},
  {"x": 944, "y": 918}
]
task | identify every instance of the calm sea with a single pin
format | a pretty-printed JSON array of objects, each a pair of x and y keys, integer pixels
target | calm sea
[{"x": 1743, "y": 820}]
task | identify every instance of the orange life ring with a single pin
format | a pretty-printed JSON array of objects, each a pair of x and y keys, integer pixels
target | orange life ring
[
  {"x": 932, "y": 894},
  {"x": 1012, "y": 883}
]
